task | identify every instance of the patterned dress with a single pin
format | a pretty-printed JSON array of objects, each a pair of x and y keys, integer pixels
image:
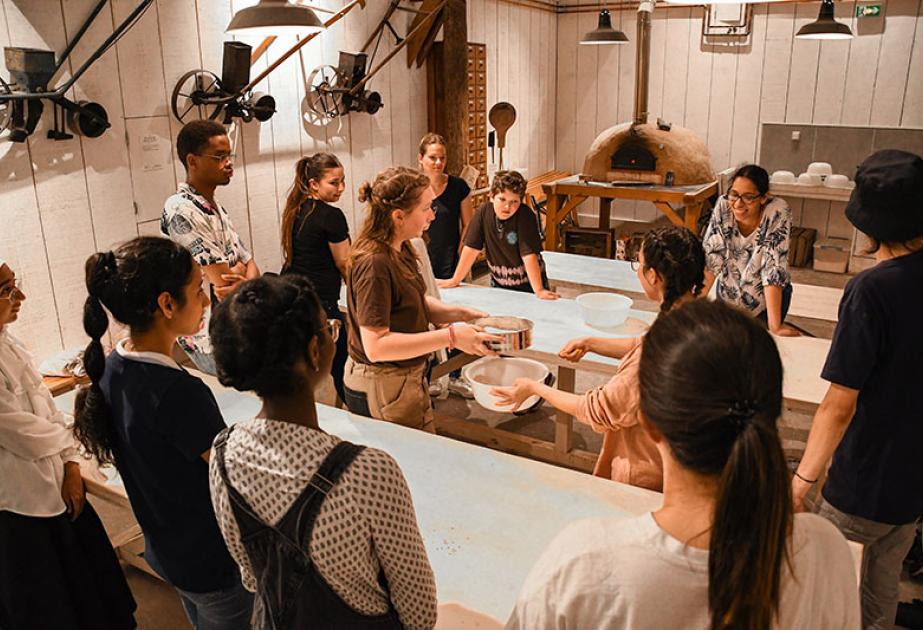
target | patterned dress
[
  {"x": 367, "y": 521},
  {"x": 743, "y": 265},
  {"x": 205, "y": 229}
]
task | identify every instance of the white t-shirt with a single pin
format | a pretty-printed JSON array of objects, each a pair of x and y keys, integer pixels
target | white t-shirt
[{"x": 629, "y": 573}]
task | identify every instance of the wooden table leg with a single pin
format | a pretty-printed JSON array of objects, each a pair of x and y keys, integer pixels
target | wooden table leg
[
  {"x": 564, "y": 423},
  {"x": 691, "y": 217},
  {"x": 555, "y": 202},
  {"x": 605, "y": 211}
]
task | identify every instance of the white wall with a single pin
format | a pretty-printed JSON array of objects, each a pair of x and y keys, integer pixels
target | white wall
[
  {"x": 61, "y": 201},
  {"x": 724, "y": 93},
  {"x": 521, "y": 66}
]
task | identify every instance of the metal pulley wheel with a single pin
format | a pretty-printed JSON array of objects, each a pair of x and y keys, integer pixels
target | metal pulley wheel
[
  {"x": 261, "y": 105},
  {"x": 322, "y": 95},
  {"x": 190, "y": 94},
  {"x": 89, "y": 120},
  {"x": 6, "y": 107}
]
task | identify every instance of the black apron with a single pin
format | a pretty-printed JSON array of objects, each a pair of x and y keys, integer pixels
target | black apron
[{"x": 291, "y": 593}]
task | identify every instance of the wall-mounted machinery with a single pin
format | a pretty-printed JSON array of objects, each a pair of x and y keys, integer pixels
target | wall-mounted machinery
[{"x": 32, "y": 69}]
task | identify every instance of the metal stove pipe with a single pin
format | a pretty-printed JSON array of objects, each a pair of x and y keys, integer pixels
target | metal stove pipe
[{"x": 643, "y": 62}]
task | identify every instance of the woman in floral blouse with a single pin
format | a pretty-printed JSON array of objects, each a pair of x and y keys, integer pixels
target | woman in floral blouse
[{"x": 746, "y": 249}]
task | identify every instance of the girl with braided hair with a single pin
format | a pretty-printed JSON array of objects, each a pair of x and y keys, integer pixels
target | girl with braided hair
[
  {"x": 57, "y": 567},
  {"x": 671, "y": 269},
  {"x": 315, "y": 238},
  {"x": 724, "y": 551},
  {"x": 156, "y": 422},
  {"x": 367, "y": 566},
  {"x": 388, "y": 311}
]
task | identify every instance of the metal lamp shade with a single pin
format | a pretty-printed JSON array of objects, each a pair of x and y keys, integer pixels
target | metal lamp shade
[
  {"x": 825, "y": 27},
  {"x": 604, "y": 33},
  {"x": 274, "y": 17}
]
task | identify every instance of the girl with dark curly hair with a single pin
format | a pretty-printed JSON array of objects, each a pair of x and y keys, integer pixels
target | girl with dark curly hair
[
  {"x": 328, "y": 558},
  {"x": 156, "y": 422},
  {"x": 671, "y": 269}
]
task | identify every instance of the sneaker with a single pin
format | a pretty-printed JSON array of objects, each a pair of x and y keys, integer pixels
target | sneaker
[
  {"x": 436, "y": 388},
  {"x": 460, "y": 387}
]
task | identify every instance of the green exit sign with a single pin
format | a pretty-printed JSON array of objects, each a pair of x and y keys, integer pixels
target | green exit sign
[{"x": 868, "y": 10}]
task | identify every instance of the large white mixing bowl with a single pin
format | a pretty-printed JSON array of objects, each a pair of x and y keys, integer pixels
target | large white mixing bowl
[
  {"x": 489, "y": 372},
  {"x": 604, "y": 310}
]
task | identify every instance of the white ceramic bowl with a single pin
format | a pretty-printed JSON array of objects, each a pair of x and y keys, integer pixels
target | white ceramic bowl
[
  {"x": 783, "y": 177},
  {"x": 604, "y": 310},
  {"x": 820, "y": 168},
  {"x": 810, "y": 179},
  {"x": 489, "y": 372},
  {"x": 838, "y": 181}
]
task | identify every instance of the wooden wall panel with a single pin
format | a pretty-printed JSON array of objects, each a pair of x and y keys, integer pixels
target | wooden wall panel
[
  {"x": 912, "y": 114},
  {"x": 24, "y": 249},
  {"x": 802, "y": 77},
  {"x": 862, "y": 70},
  {"x": 74, "y": 197},
  {"x": 747, "y": 93},
  {"x": 566, "y": 125},
  {"x": 894, "y": 62}
]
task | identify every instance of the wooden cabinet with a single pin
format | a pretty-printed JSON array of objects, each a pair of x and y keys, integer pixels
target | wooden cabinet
[{"x": 475, "y": 123}]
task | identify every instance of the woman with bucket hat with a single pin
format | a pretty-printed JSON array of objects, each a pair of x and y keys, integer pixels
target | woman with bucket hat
[{"x": 871, "y": 419}]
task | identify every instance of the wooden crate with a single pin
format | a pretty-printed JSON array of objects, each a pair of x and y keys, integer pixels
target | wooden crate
[{"x": 589, "y": 241}]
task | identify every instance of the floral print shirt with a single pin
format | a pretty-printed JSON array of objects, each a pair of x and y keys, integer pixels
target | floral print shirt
[
  {"x": 744, "y": 265},
  {"x": 205, "y": 229}
]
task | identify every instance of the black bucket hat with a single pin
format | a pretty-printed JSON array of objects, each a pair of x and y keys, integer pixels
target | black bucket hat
[{"x": 887, "y": 203}]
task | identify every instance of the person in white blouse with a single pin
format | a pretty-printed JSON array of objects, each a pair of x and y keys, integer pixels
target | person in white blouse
[
  {"x": 57, "y": 568},
  {"x": 322, "y": 529},
  {"x": 724, "y": 551}
]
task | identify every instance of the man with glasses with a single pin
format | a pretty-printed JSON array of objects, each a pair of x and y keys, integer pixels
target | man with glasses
[{"x": 194, "y": 219}]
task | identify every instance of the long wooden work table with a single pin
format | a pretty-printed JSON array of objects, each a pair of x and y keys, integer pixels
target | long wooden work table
[
  {"x": 557, "y": 322},
  {"x": 485, "y": 516}
]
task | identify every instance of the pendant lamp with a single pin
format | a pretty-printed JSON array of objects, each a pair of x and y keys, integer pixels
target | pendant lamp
[
  {"x": 825, "y": 27},
  {"x": 274, "y": 17},
  {"x": 604, "y": 33}
]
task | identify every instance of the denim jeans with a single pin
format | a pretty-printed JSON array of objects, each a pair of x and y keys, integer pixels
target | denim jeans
[
  {"x": 786, "y": 302},
  {"x": 885, "y": 547},
  {"x": 227, "y": 609}
]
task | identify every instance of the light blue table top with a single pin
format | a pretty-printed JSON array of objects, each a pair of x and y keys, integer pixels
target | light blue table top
[
  {"x": 592, "y": 271},
  {"x": 485, "y": 516},
  {"x": 556, "y": 322}
]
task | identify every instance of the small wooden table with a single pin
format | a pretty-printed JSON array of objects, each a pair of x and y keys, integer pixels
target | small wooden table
[
  {"x": 566, "y": 194},
  {"x": 62, "y": 384}
]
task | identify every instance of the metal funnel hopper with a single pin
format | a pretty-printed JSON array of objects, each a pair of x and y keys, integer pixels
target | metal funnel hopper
[{"x": 30, "y": 68}]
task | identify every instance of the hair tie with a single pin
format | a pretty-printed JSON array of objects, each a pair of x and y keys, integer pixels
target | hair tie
[{"x": 741, "y": 412}]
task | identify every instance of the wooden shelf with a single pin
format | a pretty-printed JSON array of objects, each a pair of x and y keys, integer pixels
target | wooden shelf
[{"x": 824, "y": 193}]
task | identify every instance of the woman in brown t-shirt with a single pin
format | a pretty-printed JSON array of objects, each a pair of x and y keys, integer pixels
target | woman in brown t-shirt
[
  {"x": 671, "y": 267},
  {"x": 388, "y": 311}
]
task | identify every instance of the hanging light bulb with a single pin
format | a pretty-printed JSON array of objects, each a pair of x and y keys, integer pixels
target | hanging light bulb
[
  {"x": 825, "y": 26},
  {"x": 275, "y": 17},
  {"x": 604, "y": 33}
]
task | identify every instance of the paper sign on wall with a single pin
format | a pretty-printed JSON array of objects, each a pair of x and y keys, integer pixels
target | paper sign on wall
[{"x": 153, "y": 156}]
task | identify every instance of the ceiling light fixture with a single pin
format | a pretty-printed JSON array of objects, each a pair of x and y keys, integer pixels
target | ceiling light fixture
[
  {"x": 275, "y": 17},
  {"x": 825, "y": 26},
  {"x": 604, "y": 33}
]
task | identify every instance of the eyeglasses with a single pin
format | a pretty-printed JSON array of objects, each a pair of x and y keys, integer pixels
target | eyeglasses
[
  {"x": 333, "y": 327},
  {"x": 221, "y": 159},
  {"x": 747, "y": 198},
  {"x": 13, "y": 291}
]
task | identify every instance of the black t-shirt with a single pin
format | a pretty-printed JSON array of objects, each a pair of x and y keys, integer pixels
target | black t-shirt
[
  {"x": 445, "y": 230},
  {"x": 164, "y": 419},
  {"x": 877, "y": 349},
  {"x": 317, "y": 225},
  {"x": 506, "y": 242}
]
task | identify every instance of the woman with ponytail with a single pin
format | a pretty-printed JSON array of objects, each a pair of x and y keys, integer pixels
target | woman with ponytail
[
  {"x": 156, "y": 422},
  {"x": 315, "y": 239},
  {"x": 724, "y": 551},
  {"x": 57, "y": 568},
  {"x": 671, "y": 269},
  {"x": 389, "y": 313}
]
